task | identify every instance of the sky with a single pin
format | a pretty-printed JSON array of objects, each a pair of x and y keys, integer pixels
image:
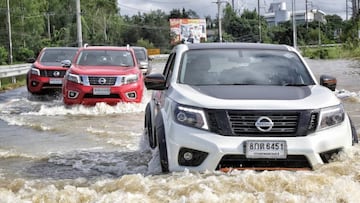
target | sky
[{"x": 209, "y": 7}]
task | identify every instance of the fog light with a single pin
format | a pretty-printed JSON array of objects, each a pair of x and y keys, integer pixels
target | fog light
[
  {"x": 72, "y": 94},
  {"x": 131, "y": 95},
  {"x": 191, "y": 157},
  {"x": 34, "y": 83},
  {"x": 188, "y": 156}
]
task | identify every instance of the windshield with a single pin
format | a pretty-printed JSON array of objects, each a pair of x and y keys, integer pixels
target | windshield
[
  {"x": 140, "y": 54},
  {"x": 57, "y": 55},
  {"x": 105, "y": 58},
  {"x": 243, "y": 67}
]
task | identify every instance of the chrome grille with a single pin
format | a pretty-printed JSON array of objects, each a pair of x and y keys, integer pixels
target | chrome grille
[
  {"x": 51, "y": 73},
  {"x": 102, "y": 80},
  {"x": 243, "y": 123}
]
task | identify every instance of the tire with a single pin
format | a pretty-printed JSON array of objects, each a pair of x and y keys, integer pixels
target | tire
[
  {"x": 27, "y": 84},
  {"x": 355, "y": 138},
  {"x": 149, "y": 128},
  {"x": 160, "y": 134}
]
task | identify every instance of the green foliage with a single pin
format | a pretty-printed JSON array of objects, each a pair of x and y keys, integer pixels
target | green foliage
[
  {"x": 145, "y": 43},
  {"x": 323, "y": 52},
  {"x": 3, "y": 55},
  {"x": 7, "y": 84},
  {"x": 23, "y": 54},
  {"x": 176, "y": 13},
  {"x": 244, "y": 28}
]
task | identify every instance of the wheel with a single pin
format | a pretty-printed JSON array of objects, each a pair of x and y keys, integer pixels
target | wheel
[
  {"x": 160, "y": 134},
  {"x": 28, "y": 84},
  {"x": 149, "y": 128},
  {"x": 355, "y": 138}
]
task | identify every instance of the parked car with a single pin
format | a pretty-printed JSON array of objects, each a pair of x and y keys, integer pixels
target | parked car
[
  {"x": 103, "y": 74},
  {"x": 222, "y": 106},
  {"x": 143, "y": 59},
  {"x": 46, "y": 72}
]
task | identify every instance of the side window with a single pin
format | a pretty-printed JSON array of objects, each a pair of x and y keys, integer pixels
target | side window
[{"x": 169, "y": 68}]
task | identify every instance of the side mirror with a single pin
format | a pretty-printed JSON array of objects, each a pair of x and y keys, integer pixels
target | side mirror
[
  {"x": 143, "y": 65},
  {"x": 66, "y": 63},
  {"x": 328, "y": 81},
  {"x": 155, "y": 81},
  {"x": 30, "y": 60}
]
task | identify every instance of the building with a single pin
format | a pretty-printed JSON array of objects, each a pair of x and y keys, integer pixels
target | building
[{"x": 278, "y": 13}]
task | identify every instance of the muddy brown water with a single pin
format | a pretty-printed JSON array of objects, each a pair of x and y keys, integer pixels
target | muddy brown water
[{"x": 53, "y": 153}]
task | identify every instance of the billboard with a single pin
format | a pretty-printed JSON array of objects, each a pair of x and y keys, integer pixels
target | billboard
[{"x": 188, "y": 30}]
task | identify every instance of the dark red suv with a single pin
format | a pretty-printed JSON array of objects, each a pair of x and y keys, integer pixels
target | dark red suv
[
  {"x": 107, "y": 74},
  {"x": 46, "y": 72}
]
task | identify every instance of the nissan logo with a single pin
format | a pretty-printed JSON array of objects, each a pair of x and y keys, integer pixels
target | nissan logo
[
  {"x": 102, "y": 81},
  {"x": 264, "y": 124},
  {"x": 56, "y": 73}
]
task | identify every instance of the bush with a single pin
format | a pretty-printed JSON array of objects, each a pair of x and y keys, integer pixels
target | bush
[
  {"x": 3, "y": 55},
  {"x": 322, "y": 52},
  {"x": 23, "y": 54},
  {"x": 145, "y": 43}
]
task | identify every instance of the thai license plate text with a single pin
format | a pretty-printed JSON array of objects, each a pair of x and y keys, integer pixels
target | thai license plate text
[
  {"x": 265, "y": 149},
  {"x": 101, "y": 91}
]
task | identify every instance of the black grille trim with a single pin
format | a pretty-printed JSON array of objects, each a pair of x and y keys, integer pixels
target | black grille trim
[
  {"x": 112, "y": 96},
  {"x": 240, "y": 161},
  {"x": 50, "y": 73},
  {"x": 242, "y": 122},
  {"x": 109, "y": 80}
]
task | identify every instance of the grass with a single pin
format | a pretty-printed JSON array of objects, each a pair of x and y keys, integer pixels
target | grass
[
  {"x": 7, "y": 84},
  {"x": 339, "y": 52}
]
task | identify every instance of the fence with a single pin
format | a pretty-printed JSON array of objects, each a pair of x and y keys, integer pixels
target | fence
[{"x": 12, "y": 71}]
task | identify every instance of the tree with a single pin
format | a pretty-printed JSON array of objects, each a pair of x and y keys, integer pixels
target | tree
[
  {"x": 244, "y": 28},
  {"x": 27, "y": 22},
  {"x": 176, "y": 13}
]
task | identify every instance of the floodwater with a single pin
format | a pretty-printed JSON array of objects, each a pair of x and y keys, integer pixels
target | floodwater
[{"x": 53, "y": 153}]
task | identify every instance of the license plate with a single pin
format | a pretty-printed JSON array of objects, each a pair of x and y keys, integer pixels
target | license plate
[
  {"x": 55, "y": 81},
  {"x": 265, "y": 149},
  {"x": 101, "y": 91}
]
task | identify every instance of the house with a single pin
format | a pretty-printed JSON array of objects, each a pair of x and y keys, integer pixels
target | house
[{"x": 278, "y": 13}]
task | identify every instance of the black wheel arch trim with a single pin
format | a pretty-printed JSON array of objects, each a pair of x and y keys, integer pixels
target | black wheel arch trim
[
  {"x": 161, "y": 139},
  {"x": 149, "y": 122},
  {"x": 354, "y": 136}
]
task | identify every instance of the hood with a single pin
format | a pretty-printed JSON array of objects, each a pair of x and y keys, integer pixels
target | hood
[
  {"x": 104, "y": 70},
  {"x": 257, "y": 97},
  {"x": 49, "y": 66}
]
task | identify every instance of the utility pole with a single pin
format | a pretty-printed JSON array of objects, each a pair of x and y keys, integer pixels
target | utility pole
[
  {"x": 306, "y": 14},
  {"x": 259, "y": 21},
  {"x": 78, "y": 23},
  {"x": 294, "y": 23},
  {"x": 219, "y": 18},
  {"x": 9, "y": 29},
  {"x": 346, "y": 11},
  {"x": 48, "y": 14}
]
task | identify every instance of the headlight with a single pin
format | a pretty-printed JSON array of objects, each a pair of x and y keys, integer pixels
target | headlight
[
  {"x": 189, "y": 116},
  {"x": 35, "y": 71},
  {"x": 331, "y": 116},
  {"x": 130, "y": 79},
  {"x": 73, "y": 78}
]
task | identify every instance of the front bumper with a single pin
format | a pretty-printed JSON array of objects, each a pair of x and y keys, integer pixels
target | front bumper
[
  {"x": 220, "y": 149},
  {"x": 37, "y": 84},
  {"x": 74, "y": 93}
]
